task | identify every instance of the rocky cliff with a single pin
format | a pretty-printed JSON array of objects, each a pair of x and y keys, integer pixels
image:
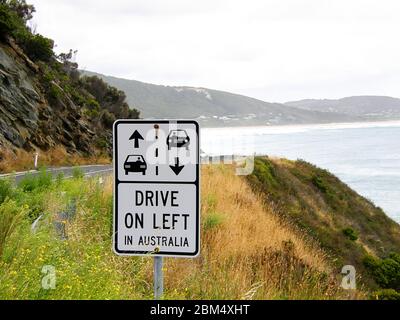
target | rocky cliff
[
  {"x": 48, "y": 105},
  {"x": 27, "y": 119}
]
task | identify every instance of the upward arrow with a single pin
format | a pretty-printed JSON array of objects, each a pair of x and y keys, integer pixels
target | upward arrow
[
  {"x": 136, "y": 136},
  {"x": 177, "y": 168}
]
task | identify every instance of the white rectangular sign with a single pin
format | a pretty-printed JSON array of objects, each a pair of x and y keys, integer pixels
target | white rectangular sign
[{"x": 156, "y": 197}]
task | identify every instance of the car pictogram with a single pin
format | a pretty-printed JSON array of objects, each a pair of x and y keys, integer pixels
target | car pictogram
[
  {"x": 178, "y": 139},
  {"x": 135, "y": 163}
]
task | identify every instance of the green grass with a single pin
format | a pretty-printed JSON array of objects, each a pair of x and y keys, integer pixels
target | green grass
[
  {"x": 32, "y": 182},
  {"x": 85, "y": 266},
  {"x": 212, "y": 220},
  {"x": 351, "y": 234},
  {"x": 385, "y": 271},
  {"x": 77, "y": 173},
  {"x": 6, "y": 190}
]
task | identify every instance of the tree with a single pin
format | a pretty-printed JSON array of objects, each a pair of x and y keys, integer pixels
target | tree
[
  {"x": 8, "y": 21},
  {"x": 21, "y": 8},
  {"x": 38, "y": 48},
  {"x": 69, "y": 66},
  {"x": 109, "y": 98}
]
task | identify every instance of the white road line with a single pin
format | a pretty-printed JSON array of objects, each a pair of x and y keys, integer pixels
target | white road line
[
  {"x": 94, "y": 172},
  {"x": 17, "y": 174},
  {"x": 88, "y": 174}
]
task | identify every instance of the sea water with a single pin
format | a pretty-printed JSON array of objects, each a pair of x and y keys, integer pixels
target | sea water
[{"x": 366, "y": 156}]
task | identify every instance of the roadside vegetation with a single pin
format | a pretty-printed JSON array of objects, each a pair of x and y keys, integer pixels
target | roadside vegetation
[
  {"x": 248, "y": 252},
  {"x": 350, "y": 228},
  {"x": 21, "y": 160}
]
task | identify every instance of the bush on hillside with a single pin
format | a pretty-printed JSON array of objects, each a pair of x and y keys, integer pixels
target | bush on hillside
[
  {"x": 37, "y": 47},
  {"x": 13, "y": 17},
  {"x": 111, "y": 100},
  {"x": 386, "y": 272},
  {"x": 108, "y": 119},
  {"x": 8, "y": 21},
  {"x": 386, "y": 294},
  {"x": 23, "y": 10},
  {"x": 350, "y": 233},
  {"x": 320, "y": 184}
]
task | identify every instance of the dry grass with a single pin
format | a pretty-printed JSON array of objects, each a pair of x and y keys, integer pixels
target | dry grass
[
  {"x": 22, "y": 160},
  {"x": 247, "y": 251}
]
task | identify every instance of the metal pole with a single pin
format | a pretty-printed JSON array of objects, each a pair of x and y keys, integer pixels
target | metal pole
[{"x": 158, "y": 278}]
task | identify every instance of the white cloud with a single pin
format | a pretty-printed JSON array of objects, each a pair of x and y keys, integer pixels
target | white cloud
[{"x": 274, "y": 50}]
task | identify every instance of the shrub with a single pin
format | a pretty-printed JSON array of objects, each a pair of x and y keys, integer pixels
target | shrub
[
  {"x": 54, "y": 93},
  {"x": 108, "y": 119},
  {"x": 93, "y": 104},
  {"x": 92, "y": 113},
  {"x": 77, "y": 173},
  {"x": 350, "y": 233},
  {"x": 23, "y": 10},
  {"x": 8, "y": 21},
  {"x": 60, "y": 178},
  {"x": 5, "y": 190},
  {"x": 386, "y": 272},
  {"x": 10, "y": 216},
  {"x": 101, "y": 143},
  {"x": 212, "y": 220},
  {"x": 40, "y": 181},
  {"x": 211, "y": 201},
  {"x": 109, "y": 98},
  {"x": 387, "y": 294},
  {"x": 320, "y": 184},
  {"x": 37, "y": 47}
]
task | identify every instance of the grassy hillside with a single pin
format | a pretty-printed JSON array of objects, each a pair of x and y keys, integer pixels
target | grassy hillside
[
  {"x": 347, "y": 225},
  {"x": 248, "y": 251},
  {"x": 214, "y": 108},
  {"x": 368, "y": 107}
]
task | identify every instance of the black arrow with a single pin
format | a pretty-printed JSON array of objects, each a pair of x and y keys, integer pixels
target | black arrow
[
  {"x": 177, "y": 168},
  {"x": 136, "y": 136}
]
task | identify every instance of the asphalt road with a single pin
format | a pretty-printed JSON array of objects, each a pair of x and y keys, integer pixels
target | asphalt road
[
  {"x": 100, "y": 170},
  {"x": 88, "y": 171}
]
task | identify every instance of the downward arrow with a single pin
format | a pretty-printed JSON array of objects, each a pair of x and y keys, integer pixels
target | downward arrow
[
  {"x": 136, "y": 136},
  {"x": 177, "y": 168}
]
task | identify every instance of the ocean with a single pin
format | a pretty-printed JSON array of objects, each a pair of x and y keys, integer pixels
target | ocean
[{"x": 366, "y": 156}]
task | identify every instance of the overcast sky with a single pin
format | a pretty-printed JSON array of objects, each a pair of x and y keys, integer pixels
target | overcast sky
[{"x": 274, "y": 50}]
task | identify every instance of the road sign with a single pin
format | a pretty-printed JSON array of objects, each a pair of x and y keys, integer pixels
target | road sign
[{"x": 156, "y": 204}]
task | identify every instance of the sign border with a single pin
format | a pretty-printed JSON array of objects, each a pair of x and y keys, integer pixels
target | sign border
[{"x": 117, "y": 182}]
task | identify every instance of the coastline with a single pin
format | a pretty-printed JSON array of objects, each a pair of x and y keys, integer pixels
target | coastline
[{"x": 291, "y": 128}]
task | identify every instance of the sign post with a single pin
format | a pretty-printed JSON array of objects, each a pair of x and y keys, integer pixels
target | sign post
[
  {"x": 158, "y": 278},
  {"x": 35, "y": 162},
  {"x": 156, "y": 191}
]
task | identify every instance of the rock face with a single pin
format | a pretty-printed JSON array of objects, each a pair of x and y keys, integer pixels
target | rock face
[{"x": 27, "y": 120}]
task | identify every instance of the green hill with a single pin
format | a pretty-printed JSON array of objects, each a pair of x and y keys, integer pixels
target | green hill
[
  {"x": 214, "y": 108},
  {"x": 349, "y": 227},
  {"x": 373, "y": 108}
]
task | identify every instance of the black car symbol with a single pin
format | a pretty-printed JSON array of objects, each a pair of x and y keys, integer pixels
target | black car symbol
[
  {"x": 178, "y": 139},
  {"x": 135, "y": 163}
]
